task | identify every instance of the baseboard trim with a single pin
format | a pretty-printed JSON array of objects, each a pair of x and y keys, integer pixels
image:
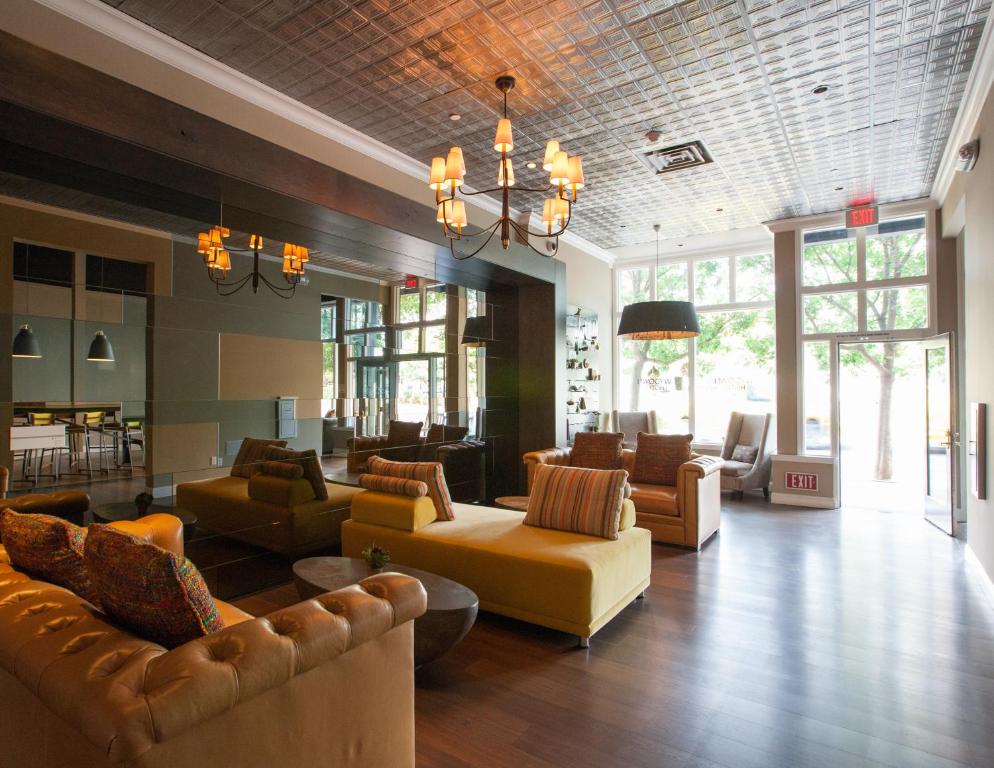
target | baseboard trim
[
  {"x": 797, "y": 500},
  {"x": 980, "y": 575}
]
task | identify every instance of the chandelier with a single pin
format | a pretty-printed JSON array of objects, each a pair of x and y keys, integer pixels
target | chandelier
[
  {"x": 217, "y": 259},
  {"x": 565, "y": 180}
]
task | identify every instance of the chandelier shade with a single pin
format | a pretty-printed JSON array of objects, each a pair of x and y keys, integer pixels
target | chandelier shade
[
  {"x": 651, "y": 320},
  {"x": 26, "y": 343}
]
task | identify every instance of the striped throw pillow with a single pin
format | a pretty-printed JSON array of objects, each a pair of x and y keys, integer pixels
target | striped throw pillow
[
  {"x": 575, "y": 499},
  {"x": 428, "y": 472},
  {"x": 398, "y": 485}
]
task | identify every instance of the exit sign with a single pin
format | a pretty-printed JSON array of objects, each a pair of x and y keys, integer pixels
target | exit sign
[
  {"x": 863, "y": 216},
  {"x": 410, "y": 281},
  {"x": 800, "y": 481}
]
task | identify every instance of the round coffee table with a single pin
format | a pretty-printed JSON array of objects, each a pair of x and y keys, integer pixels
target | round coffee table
[
  {"x": 126, "y": 510},
  {"x": 452, "y": 608},
  {"x": 517, "y": 503}
]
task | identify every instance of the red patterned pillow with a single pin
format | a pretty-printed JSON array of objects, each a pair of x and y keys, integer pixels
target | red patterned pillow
[
  {"x": 398, "y": 485},
  {"x": 158, "y": 595},
  {"x": 49, "y": 549},
  {"x": 428, "y": 472},
  {"x": 597, "y": 450},
  {"x": 658, "y": 457},
  {"x": 577, "y": 499}
]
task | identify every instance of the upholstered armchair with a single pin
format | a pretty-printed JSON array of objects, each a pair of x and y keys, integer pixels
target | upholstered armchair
[
  {"x": 631, "y": 423},
  {"x": 687, "y": 513},
  {"x": 403, "y": 442},
  {"x": 747, "y": 460}
]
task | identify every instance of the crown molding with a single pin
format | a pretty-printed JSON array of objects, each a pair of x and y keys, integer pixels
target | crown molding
[
  {"x": 837, "y": 218},
  {"x": 110, "y": 22},
  {"x": 978, "y": 86}
]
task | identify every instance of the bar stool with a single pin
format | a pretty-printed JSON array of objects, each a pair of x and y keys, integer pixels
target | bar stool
[{"x": 129, "y": 432}]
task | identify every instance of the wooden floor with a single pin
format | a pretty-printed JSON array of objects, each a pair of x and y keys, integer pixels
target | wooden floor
[{"x": 796, "y": 638}]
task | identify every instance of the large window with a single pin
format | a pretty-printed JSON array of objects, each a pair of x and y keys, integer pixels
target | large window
[
  {"x": 420, "y": 335},
  {"x": 693, "y": 385},
  {"x": 329, "y": 347},
  {"x": 858, "y": 287}
]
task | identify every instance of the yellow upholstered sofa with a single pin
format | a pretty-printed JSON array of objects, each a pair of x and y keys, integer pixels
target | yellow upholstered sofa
[
  {"x": 278, "y": 513},
  {"x": 571, "y": 582},
  {"x": 688, "y": 513},
  {"x": 328, "y": 681}
]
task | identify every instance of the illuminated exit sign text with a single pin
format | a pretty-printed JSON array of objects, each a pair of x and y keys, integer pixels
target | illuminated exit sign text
[
  {"x": 864, "y": 216},
  {"x": 801, "y": 481}
]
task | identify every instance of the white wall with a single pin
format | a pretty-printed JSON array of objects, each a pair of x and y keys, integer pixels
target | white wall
[{"x": 974, "y": 191}]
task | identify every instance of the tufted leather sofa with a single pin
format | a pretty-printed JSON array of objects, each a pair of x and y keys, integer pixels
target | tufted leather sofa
[
  {"x": 328, "y": 681},
  {"x": 687, "y": 513}
]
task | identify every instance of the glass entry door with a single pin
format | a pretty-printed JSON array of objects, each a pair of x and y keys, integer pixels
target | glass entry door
[
  {"x": 374, "y": 391},
  {"x": 940, "y": 434}
]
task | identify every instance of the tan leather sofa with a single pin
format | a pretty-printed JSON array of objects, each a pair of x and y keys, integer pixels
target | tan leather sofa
[
  {"x": 688, "y": 513},
  {"x": 284, "y": 516},
  {"x": 328, "y": 681}
]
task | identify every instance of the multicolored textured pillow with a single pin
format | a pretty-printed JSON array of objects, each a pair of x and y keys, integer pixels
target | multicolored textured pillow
[
  {"x": 250, "y": 454},
  {"x": 308, "y": 461},
  {"x": 158, "y": 595},
  {"x": 658, "y": 457},
  {"x": 49, "y": 549},
  {"x": 745, "y": 453},
  {"x": 577, "y": 499},
  {"x": 398, "y": 485},
  {"x": 428, "y": 472},
  {"x": 597, "y": 450}
]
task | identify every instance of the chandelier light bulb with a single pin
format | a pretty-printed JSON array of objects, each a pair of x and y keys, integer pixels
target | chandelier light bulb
[
  {"x": 560, "y": 169},
  {"x": 503, "y": 141},
  {"x": 500, "y": 173},
  {"x": 455, "y": 167},
  {"x": 436, "y": 180},
  {"x": 576, "y": 173}
]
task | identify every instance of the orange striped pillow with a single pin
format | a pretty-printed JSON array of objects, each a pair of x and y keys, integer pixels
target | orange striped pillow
[
  {"x": 398, "y": 485},
  {"x": 428, "y": 472},
  {"x": 575, "y": 499}
]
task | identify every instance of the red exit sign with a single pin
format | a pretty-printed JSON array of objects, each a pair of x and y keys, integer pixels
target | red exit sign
[
  {"x": 801, "y": 481},
  {"x": 863, "y": 216}
]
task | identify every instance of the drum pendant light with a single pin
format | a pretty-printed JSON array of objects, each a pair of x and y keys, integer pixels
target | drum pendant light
[{"x": 652, "y": 320}]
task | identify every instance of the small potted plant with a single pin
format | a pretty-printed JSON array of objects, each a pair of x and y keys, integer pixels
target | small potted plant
[
  {"x": 376, "y": 558},
  {"x": 142, "y": 502}
]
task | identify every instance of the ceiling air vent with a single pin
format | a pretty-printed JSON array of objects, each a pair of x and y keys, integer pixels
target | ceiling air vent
[{"x": 676, "y": 158}]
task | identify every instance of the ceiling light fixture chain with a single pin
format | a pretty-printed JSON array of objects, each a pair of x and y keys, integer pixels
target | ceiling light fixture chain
[
  {"x": 217, "y": 259},
  {"x": 565, "y": 181}
]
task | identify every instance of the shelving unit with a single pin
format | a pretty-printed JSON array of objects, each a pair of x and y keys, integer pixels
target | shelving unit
[{"x": 583, "y": 372}]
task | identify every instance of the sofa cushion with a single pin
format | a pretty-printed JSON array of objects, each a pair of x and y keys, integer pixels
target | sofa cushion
[
  {"x": 404, "y": 433},
  {"x": 745, "y": 453},
  {"x": 155, "y": 593},
  {"x": 655, "y": 499},
  {"x": 282, "y": 491},
  {"x": 577, "y": 499},
  {"x": 597, "y": 450},
  {"x": 281, "y": 469},
  {"x": 428, "y": 472},
  {"x": 306, "y": 460},
  {"x": 657, "y": 457},
  {"x": 732, "y": 468},
  {"x": 401, "y": 486},
  {"x": 249, "y": 454},
  {"x": 405, "y": 513},
  {"x": 49, "y": 549},
  {"x": 441, "y": 433},
  {"x": 627, "y": 518}
]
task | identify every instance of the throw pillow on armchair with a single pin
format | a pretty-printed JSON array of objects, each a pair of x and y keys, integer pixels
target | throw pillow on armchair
[
  {"x": 658, "y": 457},
  {"x": 597, "y": 450}
]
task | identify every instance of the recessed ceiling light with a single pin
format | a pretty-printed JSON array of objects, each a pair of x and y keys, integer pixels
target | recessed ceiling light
[
  {"x": 839, "y": 189},
  {"x": 679, "y": 245},
  {"x": 718, "y": 210},
  {"x": 531, "y": 165},
  {"x": 819, "y": 90},
  {"x": 455, "y": 116}
]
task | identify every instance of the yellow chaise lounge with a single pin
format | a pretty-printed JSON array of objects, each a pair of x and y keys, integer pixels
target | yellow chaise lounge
[{"x": 571, "y": 582}]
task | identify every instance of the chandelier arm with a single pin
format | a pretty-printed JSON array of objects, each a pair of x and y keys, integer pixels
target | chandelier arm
[
  {"x": 221, "y": 283},
  {"x": 460, "y": 235},
  {"x": 234, "y": 287},
  {"x": 280, "y": 290},
  {"x": 526, "y": 232},
  {"x": 523, "y": 230},
  {"x": 452, "y": 246},
  {"x": 501, "y": 189}
]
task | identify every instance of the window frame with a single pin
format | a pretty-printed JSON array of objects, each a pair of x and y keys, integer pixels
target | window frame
[{"x": 691, "y": 260}]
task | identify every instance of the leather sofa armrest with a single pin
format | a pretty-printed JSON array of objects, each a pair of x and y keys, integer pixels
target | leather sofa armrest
[
  {"x": 700, "y": 466},
  {"x": 161, "y": 529},
  {"x": 444, "y": 449},
  {"x": 557, "y": 456},
  {"x": 368, "y": 443}
]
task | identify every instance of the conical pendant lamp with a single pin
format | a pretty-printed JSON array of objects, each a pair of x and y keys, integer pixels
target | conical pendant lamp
[
  {"x": 651, "y": 320},
  {"x": 26, "y": 343},
  {"x": 100, "y": 349}
]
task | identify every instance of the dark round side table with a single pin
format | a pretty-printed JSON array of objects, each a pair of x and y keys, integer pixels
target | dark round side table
[
  {"x": 452, "y": 608},
  {"x": 126, "y": 510},
  {"x": 517, "y": 503}
]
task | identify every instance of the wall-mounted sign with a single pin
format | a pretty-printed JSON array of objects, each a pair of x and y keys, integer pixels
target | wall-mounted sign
[
  {"x": 800, "y": 481},
  {"x": 411, "y": 281},
  {"x": 862, "y": 216}
]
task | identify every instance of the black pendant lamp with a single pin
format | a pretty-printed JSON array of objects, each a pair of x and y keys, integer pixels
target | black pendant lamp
[
  {"x": 26, "y": 343},
  {"x": 478, "y": 331},
  {"x": 100, "y": 349},
  {"x": 651, "y": 320}
]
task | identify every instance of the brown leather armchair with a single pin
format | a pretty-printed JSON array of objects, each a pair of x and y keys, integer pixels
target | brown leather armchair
[{"x": 687, "y": 513}]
